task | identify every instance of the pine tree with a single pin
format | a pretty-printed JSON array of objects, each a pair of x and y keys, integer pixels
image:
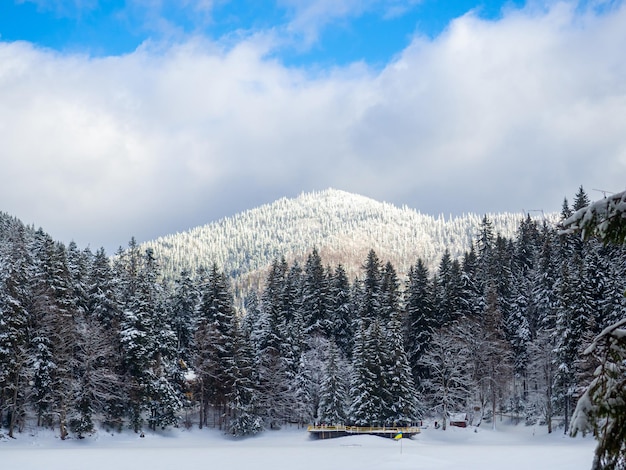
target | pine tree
[
  {"x": 102, "y": 293},
  {"x": 147, "y": 342},
  {"x": 333, "y": 392},
  {"x": 572, "y": 322},
  {"x": 55, "y": 335},
  {"x": 421, "y": 322},
  {"x": 304, "y": 408},
  {"x": 602, "y": 407},
  {"x": 401, "y": 406},
  {"x": 341, "y": 311},
  {"x": 243, "y": 416},
  {"x": 214, "y": 339},
  {"x": 182, "y": 305},
  {"x": 449, "y": 303},
  {"x": 15, "y": 271},
  {"x": 272, "y": 361},
  {"x": 367, "y": 384},
  {"x": 370, "y": 302},
  {"x": 315, "y": 296}
]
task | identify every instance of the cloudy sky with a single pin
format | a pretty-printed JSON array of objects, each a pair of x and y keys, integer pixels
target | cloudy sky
[{"x": 147, "y": 117}]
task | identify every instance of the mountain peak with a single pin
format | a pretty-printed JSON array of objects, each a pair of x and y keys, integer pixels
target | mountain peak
[{"x": 343, "y": 227}]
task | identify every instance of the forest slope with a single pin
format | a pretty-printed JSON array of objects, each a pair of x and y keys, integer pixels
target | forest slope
[{"x": 341, "y": 225}]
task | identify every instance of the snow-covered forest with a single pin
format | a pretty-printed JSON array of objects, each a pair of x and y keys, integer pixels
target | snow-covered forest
[
  {"x": 341, "y": 225},
  {"x": 90, "y": 341}
]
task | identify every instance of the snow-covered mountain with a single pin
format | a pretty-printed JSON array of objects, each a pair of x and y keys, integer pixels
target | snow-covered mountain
[{"x": 342, "y": 226}]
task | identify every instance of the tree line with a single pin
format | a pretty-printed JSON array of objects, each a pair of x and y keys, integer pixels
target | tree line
[{"x": 89, "y": 341}]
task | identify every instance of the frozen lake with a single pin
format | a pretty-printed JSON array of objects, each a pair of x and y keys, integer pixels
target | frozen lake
[{"x": 509, "y": 448}]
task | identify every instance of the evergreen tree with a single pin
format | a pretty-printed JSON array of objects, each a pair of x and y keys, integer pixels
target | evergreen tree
[
  {"x": 367, "y": 382},
  {"x": 370, "y": 302},
  {"x": 15, "y": 272},
  {"x": 420, "y": 318},
  {"x": 333, "y": 392},
  {"x": 214, "y": 340},
  {"x": 390, "y": 293},
  {"x": 243, "y": 416},
  {"x": 103, "y": 295},
  {"x": 146, "y": 342},
  {"x": 272, "y": 361},
  {"x": 55, "y": 313},
  {"x": 304, "y": 409},
  {"x": 571, "y": 324},
  {"x": 182, "y": 305},
  {"x": 341, "y": 311},
  {"x": 602, "y": 407},
  {"x": 315, "y": 296},
  {"x": 448, "y": 291},
  {"x": 401, "y": 406}
]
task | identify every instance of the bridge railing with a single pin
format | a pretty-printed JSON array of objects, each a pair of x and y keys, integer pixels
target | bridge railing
[{"x": 365, "y": 429}]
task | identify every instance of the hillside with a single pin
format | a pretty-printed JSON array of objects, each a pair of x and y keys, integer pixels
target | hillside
[{"x": 343, "y": 227}]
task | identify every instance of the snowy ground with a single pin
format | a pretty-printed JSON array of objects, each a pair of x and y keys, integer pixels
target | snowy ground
[{"x": 509, "y": 448}]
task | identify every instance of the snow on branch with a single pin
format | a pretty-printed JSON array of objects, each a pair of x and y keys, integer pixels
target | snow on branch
[{"x": 605, "y": 219}]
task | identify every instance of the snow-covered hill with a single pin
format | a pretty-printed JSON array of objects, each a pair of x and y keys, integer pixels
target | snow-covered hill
[{"x": 342, "y": 226}]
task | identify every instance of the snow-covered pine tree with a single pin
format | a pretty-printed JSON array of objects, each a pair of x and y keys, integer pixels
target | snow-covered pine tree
[
  {"x": 401, "y": 406},
  {"x": 102, "y": 292},
  {"x": 421, "y": 321},
  {"x": 448, "y": 290},
  {"x": 369, "y": 307},
  {"x": 341, "y": 311},
  {"x": 367, "y": 384},
  {"x": 572, "y": 323},
  {"x": 213, "y": 340},
  {"x": 315, "y": 297},
  {"x": 243, "y": 415},
  {"x": 303, "y": 394},
  {"x": 182, "y": 306},
  {"x": 601, "y": 409},
  {"x": 147, "y": 341},
  {"x": 333, "y": 391},
  {"x": 390, "y": 293},
  {"x": 15, "y": 272},
  {"x": 272, "y": 362},
  {"x": 55, "y": 314}
]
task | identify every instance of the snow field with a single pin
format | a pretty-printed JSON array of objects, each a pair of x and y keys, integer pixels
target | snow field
[{"x": 510, "y": 448}]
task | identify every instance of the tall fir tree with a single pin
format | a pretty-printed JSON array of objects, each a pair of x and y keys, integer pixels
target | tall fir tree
[{"x": 421, "y": 321}]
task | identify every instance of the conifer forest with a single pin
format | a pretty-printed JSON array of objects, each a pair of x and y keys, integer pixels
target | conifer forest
[{"x": 90, "y": 341}]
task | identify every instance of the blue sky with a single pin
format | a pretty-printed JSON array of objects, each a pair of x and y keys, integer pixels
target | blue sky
[
  {"x": 147, "y": 117},
  {"x": 370, "y": 31}
]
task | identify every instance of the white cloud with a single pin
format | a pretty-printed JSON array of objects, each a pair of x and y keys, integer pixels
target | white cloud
[
  {"x": 309, "y": 17},
  {"x": 499, "y": 115}
]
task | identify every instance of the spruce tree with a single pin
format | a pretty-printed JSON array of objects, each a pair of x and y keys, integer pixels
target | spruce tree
[
  {"x": 421, "y": 321},
  {"x": 315, "y": 296},
  {"x": 15, "y": 272},
  {"x": 333, "y": 392},
  {"x": 341, "y": 311},
  {"x": 401, "y": 402},
  {"x": 243, "y": 415},
  {"x": 214, "y": 340}
]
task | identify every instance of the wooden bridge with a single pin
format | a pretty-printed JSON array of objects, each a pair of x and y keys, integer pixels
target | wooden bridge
[{"x": 325, "y": 432}]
